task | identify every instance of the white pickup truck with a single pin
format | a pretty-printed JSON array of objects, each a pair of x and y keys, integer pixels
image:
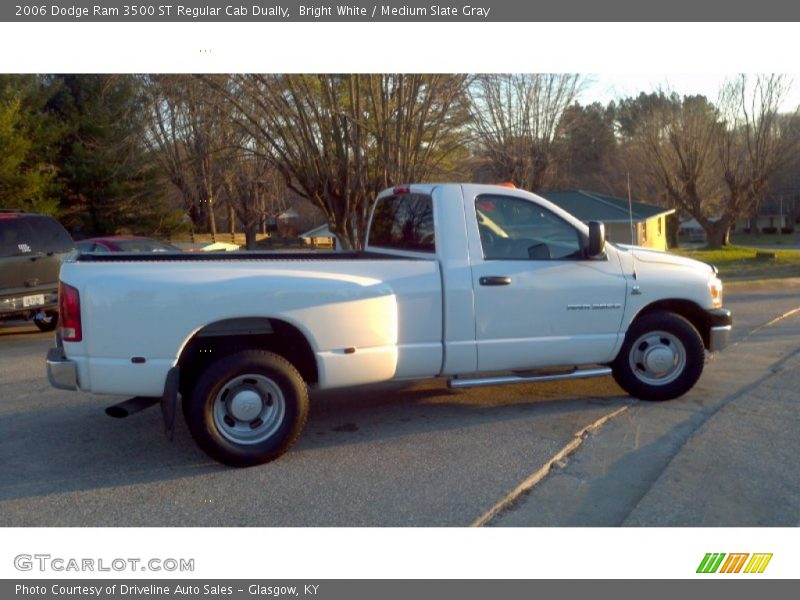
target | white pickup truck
[{"x": 478, "y": 284}]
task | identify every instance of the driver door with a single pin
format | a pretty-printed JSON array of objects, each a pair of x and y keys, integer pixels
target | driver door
[{"x": 539, "y": 302}]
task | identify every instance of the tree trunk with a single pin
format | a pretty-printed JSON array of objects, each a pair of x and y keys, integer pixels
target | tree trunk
[
  {"x": 262, "y": 218},
  {"x": 672, "y": 225},
  {"x": 250, "y": 231},
  {"x": 195, "y": 216},
  {"x": 232, "y": 222},
  {"x": 753, "y": 220},
  {"x": 212, "y": 221},
  {"x": 718, "y": 234},
  {"x": 344, "y": 238}
]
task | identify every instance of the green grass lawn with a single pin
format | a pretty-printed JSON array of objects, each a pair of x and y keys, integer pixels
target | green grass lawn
[
  {"x": 765, "y": 239},
  {"x": 740, "y": 263}
]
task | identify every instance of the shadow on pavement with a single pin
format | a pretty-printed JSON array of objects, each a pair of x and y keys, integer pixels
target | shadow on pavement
[{"x": 69, "y": 448}]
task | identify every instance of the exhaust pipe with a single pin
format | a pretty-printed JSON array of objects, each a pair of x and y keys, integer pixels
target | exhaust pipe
[{"x": 130, "y": 406}]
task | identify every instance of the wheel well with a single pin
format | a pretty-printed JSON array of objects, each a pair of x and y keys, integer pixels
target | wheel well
[
  {"x": 686, "y": 309},
  {"x": 223, "y": 338}
]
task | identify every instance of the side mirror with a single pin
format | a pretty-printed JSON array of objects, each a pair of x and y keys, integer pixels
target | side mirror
[{"x": 597, "y": 239}]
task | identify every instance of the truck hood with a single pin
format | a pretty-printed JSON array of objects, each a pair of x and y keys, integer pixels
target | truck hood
[{"x": 657, "y": 257}]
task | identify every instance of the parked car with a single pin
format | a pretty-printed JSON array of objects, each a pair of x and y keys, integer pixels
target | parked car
[
  {"x": 478, "y": 284},
  {"x": 32, "y": 247},
  {"x": 124, "y": 243},
  {"x": 212, "y": 247}
]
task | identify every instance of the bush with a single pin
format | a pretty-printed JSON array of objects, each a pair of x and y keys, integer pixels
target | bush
[
  {"x": 787, "y": 230},
  {"x": 769, "y": 230}
]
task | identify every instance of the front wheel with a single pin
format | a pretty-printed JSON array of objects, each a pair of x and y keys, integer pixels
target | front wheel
[
  {"x": 248, "y": 408},
  {"x": 661, "y": 358}
]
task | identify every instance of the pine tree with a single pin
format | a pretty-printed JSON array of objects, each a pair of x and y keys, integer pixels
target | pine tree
[{"x": 27, "y": 178}]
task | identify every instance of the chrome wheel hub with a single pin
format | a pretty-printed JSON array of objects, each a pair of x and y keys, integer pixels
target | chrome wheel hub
[
  {"x": 657, "y": 358},
  {"x": 249, "y": 409},
  {"x": 245, "y": 405}
]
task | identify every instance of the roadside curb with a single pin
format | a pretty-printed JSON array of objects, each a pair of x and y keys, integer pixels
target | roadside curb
[{"x": 556, "y": 460}]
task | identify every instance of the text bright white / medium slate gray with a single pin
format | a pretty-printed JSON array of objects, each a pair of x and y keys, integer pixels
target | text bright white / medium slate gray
[{"x": 407, "y": 11}]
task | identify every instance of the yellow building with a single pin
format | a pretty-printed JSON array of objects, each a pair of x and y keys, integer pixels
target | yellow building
[{"x": 649, "y": 221}]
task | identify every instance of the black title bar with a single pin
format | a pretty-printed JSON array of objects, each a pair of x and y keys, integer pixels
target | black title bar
[{"x": 407, "y": 11}]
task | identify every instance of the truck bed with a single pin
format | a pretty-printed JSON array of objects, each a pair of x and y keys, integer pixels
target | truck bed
[
  {"x": 259, "y": 255},
  {"x": 151, "y": 305}
]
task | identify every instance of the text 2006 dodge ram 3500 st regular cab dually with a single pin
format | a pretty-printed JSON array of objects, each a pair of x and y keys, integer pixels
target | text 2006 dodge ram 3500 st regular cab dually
[{"x": 479, "y": 284}]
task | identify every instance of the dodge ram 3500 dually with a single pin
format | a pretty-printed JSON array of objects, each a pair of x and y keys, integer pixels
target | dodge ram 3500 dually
[{"x": 478, "y": 284}]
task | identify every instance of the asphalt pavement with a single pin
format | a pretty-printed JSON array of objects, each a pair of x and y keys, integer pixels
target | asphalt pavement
[
  {"x": 568, "y": 453},
  {"x": 723, "y": 455}
]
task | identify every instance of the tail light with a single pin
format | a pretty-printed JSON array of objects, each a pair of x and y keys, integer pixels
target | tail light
[{"x": 69, "y": 307}]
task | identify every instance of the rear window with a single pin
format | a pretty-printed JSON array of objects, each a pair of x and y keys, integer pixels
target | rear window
[
  {"x": 25, "y": 234},
  {"x": 404, "y": 223}
]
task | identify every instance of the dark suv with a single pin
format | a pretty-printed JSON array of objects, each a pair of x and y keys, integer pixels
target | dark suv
[{"x": 31, "y": 249}]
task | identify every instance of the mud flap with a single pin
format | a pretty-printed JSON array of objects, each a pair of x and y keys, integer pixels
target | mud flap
[{"x": 169, "y": 401}]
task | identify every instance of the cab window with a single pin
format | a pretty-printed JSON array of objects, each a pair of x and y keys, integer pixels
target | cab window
[
  {"x": 516, "y": 229},
  {"x": 404, "y": 223}
]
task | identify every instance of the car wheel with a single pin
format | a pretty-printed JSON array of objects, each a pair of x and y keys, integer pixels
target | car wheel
[
  {"x": 46, "y": 322},
  {"x": 661, "y": 358},
  {"x": 248, "y": 408}
]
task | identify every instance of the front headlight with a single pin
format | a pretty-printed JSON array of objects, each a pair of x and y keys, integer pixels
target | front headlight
[{"x": 715, "y": 288}]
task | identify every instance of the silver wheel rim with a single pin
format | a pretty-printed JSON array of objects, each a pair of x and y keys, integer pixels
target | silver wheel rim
[
  {"x": 249, "y": 408},
  {"x": 657, "y": 358}
]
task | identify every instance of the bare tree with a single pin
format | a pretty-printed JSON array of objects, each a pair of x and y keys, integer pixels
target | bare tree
[
  {"x": 253, "y": 189},
  {"x": 515, "y": 118},
  {"x": 194, "y": 141},
  {"x": 716, "y": 162},
  {"x": 676, "y": 139},
  {"x": 339, "y": 139},
  {"x": 756, "y": 142}
]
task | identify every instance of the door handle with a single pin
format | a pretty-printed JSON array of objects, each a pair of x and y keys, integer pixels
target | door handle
[{"x": 495, "y": 280}]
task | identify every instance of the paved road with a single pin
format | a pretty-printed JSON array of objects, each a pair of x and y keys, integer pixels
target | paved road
[
  {"x": 723, "y": 455},
  {"x": 420, "y": 455}
]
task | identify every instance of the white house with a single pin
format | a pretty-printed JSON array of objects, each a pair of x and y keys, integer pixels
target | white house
[{"x": 320, "y": 237}]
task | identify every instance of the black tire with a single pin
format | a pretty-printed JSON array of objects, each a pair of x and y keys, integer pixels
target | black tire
[
  {"x": 247, "y": 408},
  {"x": 49, "y": 322},
  {"x": 661, "y": 358}
]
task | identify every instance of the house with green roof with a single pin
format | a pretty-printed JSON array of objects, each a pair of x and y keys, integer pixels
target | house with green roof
[{"x": 649, "y": 221}]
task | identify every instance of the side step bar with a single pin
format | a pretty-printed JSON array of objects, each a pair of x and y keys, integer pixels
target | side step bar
[{"x": 458, "y": 383}]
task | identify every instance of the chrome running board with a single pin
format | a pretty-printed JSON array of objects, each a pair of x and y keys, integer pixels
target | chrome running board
[{"x": 457, "y": 383}]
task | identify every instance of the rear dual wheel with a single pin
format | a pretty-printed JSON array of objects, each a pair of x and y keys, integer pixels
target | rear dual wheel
[{"x": 247, "y": 408}]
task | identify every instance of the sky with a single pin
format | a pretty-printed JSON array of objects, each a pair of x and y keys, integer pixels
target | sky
[{"x": 606, "y": 87}]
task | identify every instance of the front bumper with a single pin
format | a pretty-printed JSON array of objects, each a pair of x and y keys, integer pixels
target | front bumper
[
  {"x": 720, "y": 327},
  {"x": 61, "y": 371}
]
